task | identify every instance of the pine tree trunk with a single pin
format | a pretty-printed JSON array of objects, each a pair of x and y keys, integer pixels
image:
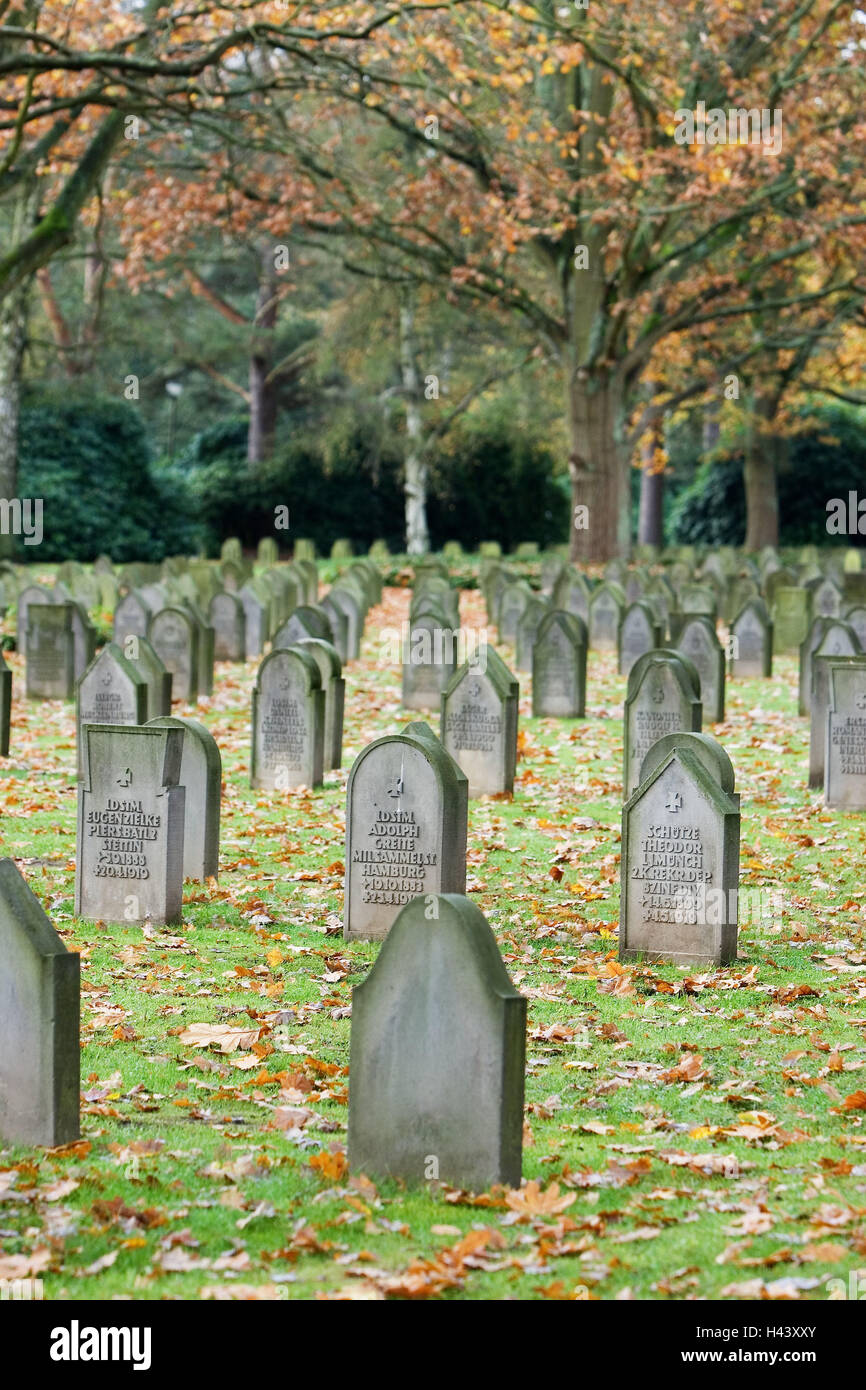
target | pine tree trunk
[
  {"x": 598, "y": 469},
  {"x": 415, "y": 482}
]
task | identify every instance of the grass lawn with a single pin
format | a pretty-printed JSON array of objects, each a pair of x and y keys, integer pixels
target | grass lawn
[{"x": 687, "y": 1134}]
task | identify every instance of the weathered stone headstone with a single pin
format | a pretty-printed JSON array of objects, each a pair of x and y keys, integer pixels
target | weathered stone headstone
[
  {"x": 752, "y": 640},
  {"x": 817, "y": 629},
  {"x": 429, "y": 661},
  {"x": 606, "y": 605},
  {"x": 680, "y": 857},
  {"x": 512, "y": 606},
  {"x": 698, "y": 641},
  {"x": 527, "y": 630},
  {"x": 201, "y": 778},
  {"x": 206, "y": 641},
  {"x": 838, "y": 640},
  {"x": 111, "y": 691},
  {"x": 572, "y": 593},
  {"x": 140, "y": 655},
  {"x": 438, "y": 1053},
  {"x": 826, "y": 598},
  {"x": 288, "y": 722},
  {"x": 5, "y": 707},
  {"x": 50, "y": 652},
  {"x": 306, "y": 621},
  {"x": 559, "y": 667},
  {"x": 39, "y": 1022},
  {"x": 129, "y": 866},
  {"x": 231, "y": 549},
  {"x": 479, "y": 724},
  {"x": 791, "y": 610},
  {"x": 855, "y": 617},
  {"x": 174, "y": 635},
  {"x": 845, "y": 750},
  {"x": 327, "y": 659},
  {"x": 406, "y": 821},
  {"x": 639, "y": 632},
  {"x": 304, "y": 549},
  {"x": 338, "y": 617},
  {"x": 256, "y": 620},
  {"x": 226, "y": 615},
  {"x": 268, "y": 551},
  {"x": 663, "y": 697},
  {"x": 30, "y": 596}
]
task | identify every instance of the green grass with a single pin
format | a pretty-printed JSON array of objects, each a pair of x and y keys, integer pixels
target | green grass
[{"x": 182, "y": 1147}]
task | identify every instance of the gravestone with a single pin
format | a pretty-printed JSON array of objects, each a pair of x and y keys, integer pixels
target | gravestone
[
  {"x": 605, "y": 615},
  {"x": 662, "y": 697},
  {"x": 552, "y": 567},
  {"x": 231, "y": 549},
  {"x": 512, "y": 605},
  {"x": 288, "y": 722},
  {"x": 698, "y": 641},
  {"x": 50, "y": 652},
  {"x": 429, "y": 661},
  {"x": 698, "y": 598},
  {"x": 28, "y": 597},
  {"x": 174, "y": 635},
  {"x": 5, "y": 706},
  {"x": 327, "y": 659},
  {"x": 438, "y": 1053},
  {"x": 111, "y": 691},
  {"x": 838, "y": 640},
  {"x": 304, "y": 549},
  {"x": 256, "y": 620},
  {"x": 342, "y": 549},
  {"x": 406, "y": 821},
  {"x": 815, "y": 635},
  {"x": 268, "y": 551},
  {"x": 855, "y": 617},
  {"x": 559, "y": 667},
  {"x": 826, "y": 598},
  {"x": 140, "y": 655},
  {"x": 206, "y": 638},
  {"x": 845, "y": 748},
  {"x": 791, "y": 610},
  {"x": 752, "y": 647},
  {"x": 310, "y": 575},
  {"x": 572, "y": 593},
  {"x": 39, "y": 1022},
  {"x": 680, "y": 856},
  {"x": 306, "y": 621},
  {"x": 83, "y": 640},
  {"x": 226, "y": 616},
  {"x": 479, "y": 724},
  {"x": 201, "y": 778},
  {"x": 639, "y": 632},
  {"x": 527, "y": 630},
  {"x": 338, "y": 617},
  {"x": 129, "y": 865}
]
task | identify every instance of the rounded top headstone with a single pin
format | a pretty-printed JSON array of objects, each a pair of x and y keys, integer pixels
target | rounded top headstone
[{"x": 706, "y": 748}]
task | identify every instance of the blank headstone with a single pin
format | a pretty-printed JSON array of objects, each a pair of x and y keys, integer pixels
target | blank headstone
[
  {"x": 256, "y": 624},
  {"x": 698, "y": 641},
  {"x": 438, "y": 1053},
  {"x": 39, "y": 1022},
  {"x": 838, "y": 640},
  {"x": 639, "y": 632},
  {"x": 680, "y": 857},
  {"x": 174, "y": 635},
  {"x": 140, "y": 654},
  {"x": 406, "y": 821},
  {"x": 429, "y": 660},
  {"x": 227, "y": 618},
  {"x": 792, "y": 609},
  {"x": 129, "y": 865},
  {"x": 752, "y": 645},
  {"x": 327, "y": 659},
  {"x": 5, "y": 707},
  {"x": 201, "y": 778},
  {"x": 606, "y": 605}
]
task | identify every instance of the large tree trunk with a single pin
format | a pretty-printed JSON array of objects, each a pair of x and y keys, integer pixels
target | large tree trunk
[
  {"x": 13, "y": 331},
  {"x": 600, "y": 494},
  {"x": 263, "y": 403},
  {"x": 415, "y": 483},
  {"x": 759, "y": 475},
  {"x": 650, "y": 526}
]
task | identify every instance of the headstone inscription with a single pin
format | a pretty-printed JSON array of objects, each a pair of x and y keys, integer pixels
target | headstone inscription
[
  {"x": 288, "y": 722},
  {"x": 663, "y": 696},
  {"x": 129, "y": 866},
  {"x": 438, "y": 1053},
  {"x": 50, "y": 652},
  {"x": 680, "y": 856},
  {"x": 479, "y": 725},
  {"x": 845, "y": 748},
  {"x": 559, "y": 667},
  {"x": 839, "y": 640},
  {"x": 111, "y": 691},
  {"x": 406, "y": 822},
  {"x": 39, "y": 1022}
]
